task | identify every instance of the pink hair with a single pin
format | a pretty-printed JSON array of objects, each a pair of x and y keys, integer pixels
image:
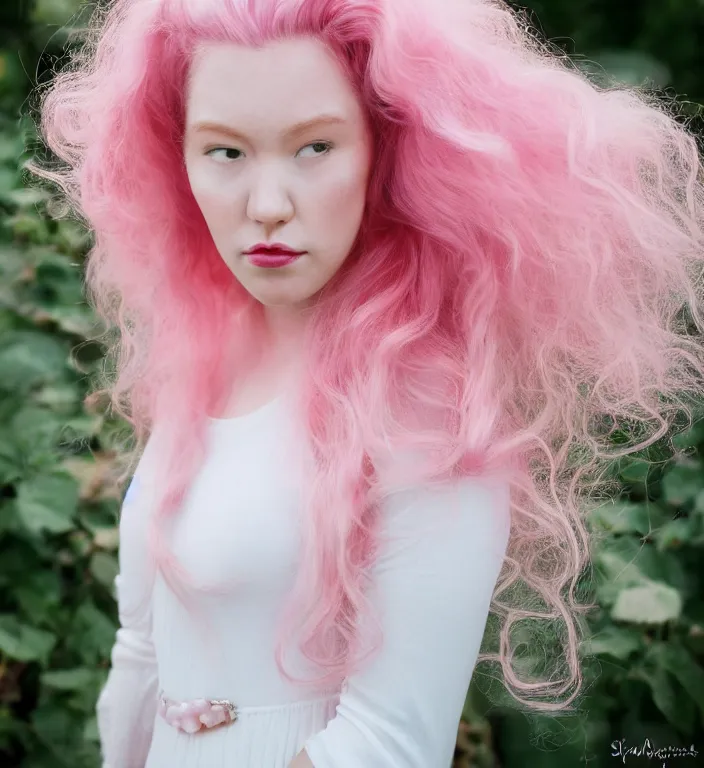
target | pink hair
[{"x": 520, "y": 288}]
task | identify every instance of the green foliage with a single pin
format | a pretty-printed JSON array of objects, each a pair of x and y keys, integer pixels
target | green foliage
[
  {"x": 644, "y": 658},
  {"x": 57, "y": 517},
  {"x": 57, "y": 513}
]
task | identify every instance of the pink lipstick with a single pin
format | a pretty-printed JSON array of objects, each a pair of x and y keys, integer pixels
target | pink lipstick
[
  {"x": 272, "y": 255},
  {"x": 261, "y": 259}
]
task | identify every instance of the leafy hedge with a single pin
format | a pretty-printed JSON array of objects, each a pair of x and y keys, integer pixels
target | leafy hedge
[{"x": 58, "y": 507}]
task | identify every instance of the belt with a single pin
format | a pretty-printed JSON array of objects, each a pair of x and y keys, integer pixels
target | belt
[
  {"x": 192, "y": 716},
  {"x": 200, "y": 714}
]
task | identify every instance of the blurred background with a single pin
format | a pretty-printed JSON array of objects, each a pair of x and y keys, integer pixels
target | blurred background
[{"x": 644, "y": 662}]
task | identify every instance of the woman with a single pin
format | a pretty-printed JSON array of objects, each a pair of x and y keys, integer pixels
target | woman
[{"x": 387, "y": 275}]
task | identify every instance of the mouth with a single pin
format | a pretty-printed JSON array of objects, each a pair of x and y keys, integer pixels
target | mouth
[
  {"x": 273, "y": 250},
  {"x": 268, "y": 258}
]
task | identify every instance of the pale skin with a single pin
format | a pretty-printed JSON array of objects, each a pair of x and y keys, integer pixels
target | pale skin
[
  {"x": 259, "y": 175},
  {"x": 285, "y": 157}
]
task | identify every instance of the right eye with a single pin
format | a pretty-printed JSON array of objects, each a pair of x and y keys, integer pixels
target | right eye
[{"x": 209, "y": 153}]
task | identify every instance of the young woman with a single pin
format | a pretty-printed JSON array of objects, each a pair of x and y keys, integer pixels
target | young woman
[{"x": 386, "y": 276}]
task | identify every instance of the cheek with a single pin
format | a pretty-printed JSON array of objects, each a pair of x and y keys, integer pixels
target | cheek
[
  {"x": 341, "y": 196},
  {"x": 211, "y": 199}
]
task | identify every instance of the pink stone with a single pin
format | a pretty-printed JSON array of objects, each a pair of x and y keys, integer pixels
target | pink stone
[
  {"x": 190, "y": 724},
  {"x": 200, "y": 706},
  {"x": 173, "y": 713},
  {"x": 216, "y": 716}
]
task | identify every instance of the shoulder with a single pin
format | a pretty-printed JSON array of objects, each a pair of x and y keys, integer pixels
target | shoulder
[{"x": 467, "y": 521}]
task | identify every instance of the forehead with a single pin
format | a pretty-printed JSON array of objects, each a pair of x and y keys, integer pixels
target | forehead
[{"x": 277, "y": 83}]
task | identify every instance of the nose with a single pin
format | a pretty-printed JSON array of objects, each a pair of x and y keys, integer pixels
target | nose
[{"x": 269, "y": 202}]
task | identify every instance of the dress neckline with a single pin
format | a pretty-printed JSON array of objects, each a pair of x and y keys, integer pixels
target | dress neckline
[{"x": 256, "y": 413}]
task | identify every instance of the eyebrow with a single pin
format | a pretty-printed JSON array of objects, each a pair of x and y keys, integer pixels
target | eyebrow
[{"x": 294, "y": 130}]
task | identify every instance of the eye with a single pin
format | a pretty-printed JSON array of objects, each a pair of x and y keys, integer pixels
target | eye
[
  {"x": 209, "y": 153},
  {"x": 319, "y": 148},
  {"x": 323, "y": 148}
]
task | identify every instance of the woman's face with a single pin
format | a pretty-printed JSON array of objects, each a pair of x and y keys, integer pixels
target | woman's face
[{"x": 260, "y": 176}]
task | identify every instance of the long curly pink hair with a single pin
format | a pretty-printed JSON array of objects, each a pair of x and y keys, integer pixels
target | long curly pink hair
[{"x": 526, "y": 281}]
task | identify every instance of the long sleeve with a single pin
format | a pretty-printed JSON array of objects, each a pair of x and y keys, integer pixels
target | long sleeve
[
  {"x": 127, "y": 704},
  {"x": 432, "y": 585}
]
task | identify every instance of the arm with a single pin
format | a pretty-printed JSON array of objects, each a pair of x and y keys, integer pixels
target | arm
[
  {"x": 127, "y": 704},
  {"x": 433, "y": 584}
]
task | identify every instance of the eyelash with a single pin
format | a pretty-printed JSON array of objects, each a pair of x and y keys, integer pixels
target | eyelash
[{"x": 328, "y": 146}]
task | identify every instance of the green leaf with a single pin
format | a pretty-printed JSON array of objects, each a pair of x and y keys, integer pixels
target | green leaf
[
  {"x": 8, "y": 180},
  {"x": 11, "y": 461},
  {"x": 653, "y": 603},
  {"x": 90, "y": 732},
  {"x": 675, "y": 533},
  {"x": 56, "y": 727},
  {"x": 24, "y": 643},
  {"x": 679, "y": 662},
  {"x": 625, "y": 517},
  {"x": 626, "y": 561},
  {"x": 36, "y": 432},
  {"x": 93, "y": 633},
  {"x": 69, "y": 679},
  {"x": 29, "y": 358},
  {"x": 692, "y": 437},
  {"x": 699, "y": 503},
  {"x": 683, "y": 483},
  {"x": 48, "y": 503},
  {"x": 10, "y": 146},
  {"x": 616, "y": 566},
  {"x": 634, "y": 470},
  {"x": 668, "y": 700},
  {"x": 619, "y": 642},
  {"x": 61, "y": 397},
  {"x": 38, "y": 593},
  {"x": 104, "y": 567},
  {"x": 28, "y": 196}
]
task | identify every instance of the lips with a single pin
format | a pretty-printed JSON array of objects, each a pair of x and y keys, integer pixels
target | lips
[
  {"x": 268, "y": 260},
  {"x": 274, "y": 250}
]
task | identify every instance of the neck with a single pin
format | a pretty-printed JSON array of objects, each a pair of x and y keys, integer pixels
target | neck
[{"x": 286, "y": 331}]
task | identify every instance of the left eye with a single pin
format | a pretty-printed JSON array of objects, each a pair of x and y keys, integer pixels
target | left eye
[{"x": 320, "y": 147}]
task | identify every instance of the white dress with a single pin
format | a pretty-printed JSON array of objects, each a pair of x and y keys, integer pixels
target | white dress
[{"x": 239, "y": 525}]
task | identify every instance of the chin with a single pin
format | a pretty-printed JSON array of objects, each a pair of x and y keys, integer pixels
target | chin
[{"x": 279, "y": 301}]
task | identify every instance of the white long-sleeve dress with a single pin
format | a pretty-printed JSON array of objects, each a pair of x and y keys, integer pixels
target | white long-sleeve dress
[{"x": 239, "y": 525}]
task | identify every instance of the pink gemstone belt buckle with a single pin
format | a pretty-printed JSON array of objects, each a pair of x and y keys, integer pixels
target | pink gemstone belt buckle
[{"x": 192, "y": 716}]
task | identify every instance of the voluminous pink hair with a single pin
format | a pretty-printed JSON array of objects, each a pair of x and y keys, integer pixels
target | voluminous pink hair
[{"x": 525, "y": 282}]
